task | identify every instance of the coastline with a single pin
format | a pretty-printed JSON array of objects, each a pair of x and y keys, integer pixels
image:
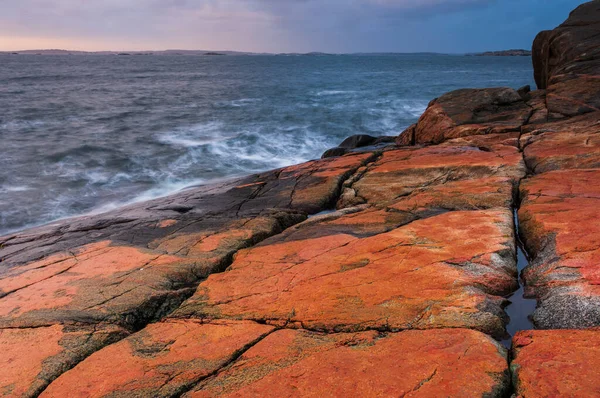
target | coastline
[{"x": 391, "y": 260}]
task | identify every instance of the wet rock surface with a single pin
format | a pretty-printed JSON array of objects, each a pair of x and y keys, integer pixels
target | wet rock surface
[{"x": 384, "y": 270}]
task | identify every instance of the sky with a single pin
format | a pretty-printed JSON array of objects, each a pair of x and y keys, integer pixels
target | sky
[{"x": 337, "y": 26}]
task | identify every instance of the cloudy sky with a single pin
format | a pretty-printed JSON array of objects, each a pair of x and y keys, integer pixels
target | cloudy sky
[{"x": 278, "y": 25}]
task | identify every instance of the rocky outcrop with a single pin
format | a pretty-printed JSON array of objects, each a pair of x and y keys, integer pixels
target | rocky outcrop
[
  {"x": 566, "y": 62},
  {"x": 383, "y": 271},
  {"x": 469, "y": 112}
]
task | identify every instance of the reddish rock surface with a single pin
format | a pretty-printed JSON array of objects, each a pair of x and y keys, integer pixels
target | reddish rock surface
[
  {"x": 456, "y": 363},
  {"x": 32, "y": 357},
  {"x": 469, "y": 112},
  {"x": 561, "y": 222},
  {"x": 570, "y": 144},
  {"x": 557, "y": 363},
  {"x": 432, "y": 273},
  {"x": 384, "y": 272},
  {"x": 403, "y": 172},
  {"x": 120, "y": 270},
  {"x": 164, "y": 359}
]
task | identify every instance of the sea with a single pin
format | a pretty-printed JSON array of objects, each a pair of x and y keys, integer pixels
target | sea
[{"x": 83, "y": 134}]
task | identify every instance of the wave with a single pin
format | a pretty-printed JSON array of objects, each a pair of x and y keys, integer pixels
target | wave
[
  {"x": 333, "y": 92},
  {"x": 15, "y": 188},
  {"x": 196, "y": 135},
  {"x": 21, "y": 124}
]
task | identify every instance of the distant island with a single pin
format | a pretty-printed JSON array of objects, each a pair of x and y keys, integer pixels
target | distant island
[
  {"x": 163, "y": 52},
  {"x": 505, "y": 53}
]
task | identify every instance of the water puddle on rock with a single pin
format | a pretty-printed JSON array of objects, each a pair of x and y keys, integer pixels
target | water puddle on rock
[
  {"x": 322, "y": 213},
  {"x": 520, "y": 308}
]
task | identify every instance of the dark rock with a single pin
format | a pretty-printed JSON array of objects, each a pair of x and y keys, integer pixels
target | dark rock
[
  {"x": 524, "y": 92},
  {"x": 333, "y": 152},
  {"x": 360, "y": 141},
  {"x": 567, "y": 62},
  {"x": 357, "y": 141},
  {"x": 384, "y": 140},
  {"x": 537, "y": 103}
]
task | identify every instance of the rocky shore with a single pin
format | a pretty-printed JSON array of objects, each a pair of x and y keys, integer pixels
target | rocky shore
[{"x": 382, "y": 272}]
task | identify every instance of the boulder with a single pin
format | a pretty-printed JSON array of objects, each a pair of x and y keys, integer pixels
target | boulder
[
  {"x": 567, "y": 63},
  {"x": 334, "y": 152},
  {"x": 524, "y": 92},
  {"x": 468, "y": 112},
  {"x": 361, "y": 141},
  {"x": 357, "y": 141}
]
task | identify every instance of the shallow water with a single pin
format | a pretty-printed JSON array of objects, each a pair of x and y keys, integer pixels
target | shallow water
[
  {"x": 89, "y": 133},
  {"x": 520, "y": 308}
]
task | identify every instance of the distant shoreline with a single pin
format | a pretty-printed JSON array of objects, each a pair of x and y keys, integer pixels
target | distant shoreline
[{"x": 238, "y": 53}]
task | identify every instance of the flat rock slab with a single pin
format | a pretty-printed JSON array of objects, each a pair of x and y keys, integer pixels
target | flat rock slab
[
  {"x": 442, "y": 271},
  {"x": 399, "y": 173},
  {"x": 301, "y": 189},
  {"x": 31, "y": 358},
  {"x": 556, "y": 363},
  {"x": 457, "y": 363},
  {"x": 72, "y": 287},
  {"x": 570, "y": 144},
  {"x": 164, "y": 359},
  {"x": 561, "y": 224}
]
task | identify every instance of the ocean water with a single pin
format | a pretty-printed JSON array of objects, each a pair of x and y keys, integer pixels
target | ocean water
[{"x": 81, "y": 134}]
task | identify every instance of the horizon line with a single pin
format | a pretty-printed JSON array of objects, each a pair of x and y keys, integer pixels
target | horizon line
[{"x": 249, "y": 52}]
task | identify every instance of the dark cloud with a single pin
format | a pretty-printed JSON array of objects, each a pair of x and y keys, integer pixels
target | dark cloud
[{"x": 279, "y": 25}]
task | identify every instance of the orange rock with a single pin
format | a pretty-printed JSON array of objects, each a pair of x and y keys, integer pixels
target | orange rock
[
  {"x": 309, "y": 187},
  {"x": 570, "y": 144},
  {"x": 482, "y": 193},
  {"x": 457, "y": 363},
  {"x": 23, "y": 352},
  {"x": 166, "y": 223},
  {"x": 468, "y": 112},
  {"x": 561, "y": 224},
  {"x": 557, "y": 363},
  {"x": 437, "y": 272},
  {"x": 401, "y": 172},
  {"x": 100, "y": 280},
  {"x": 31, "y": 358},
  {"x": 161, "y": 360}
]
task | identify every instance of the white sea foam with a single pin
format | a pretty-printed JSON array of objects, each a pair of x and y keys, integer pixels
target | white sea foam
[
  {"x": 416, "y": 109},
  {"x": 244, "y": 102},
  {"x": 21, "y": 124},
  {"x": 196, "y": 135},
  {"x": 14, "y": 188},
  {"x": 333, "y": 92}
]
